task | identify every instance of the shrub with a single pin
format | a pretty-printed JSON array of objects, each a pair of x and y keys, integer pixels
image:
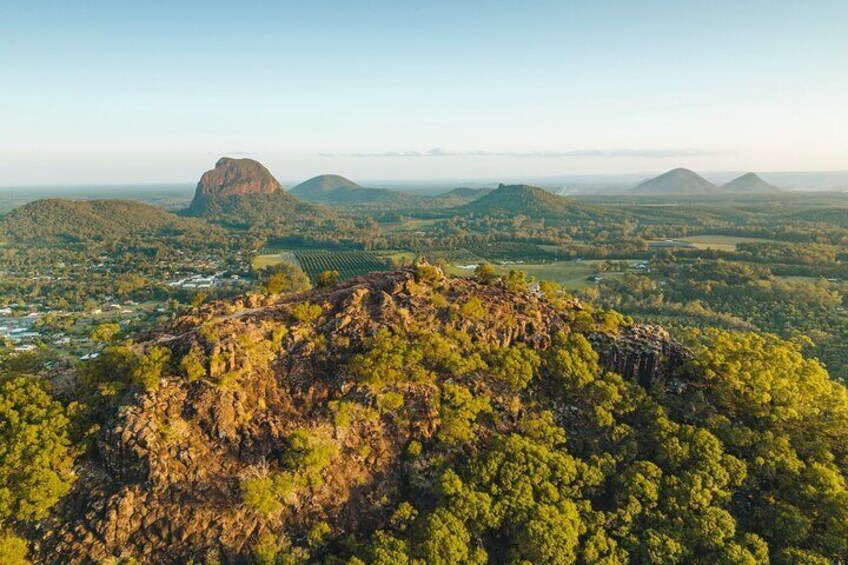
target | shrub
[
  {"x": 347, "y": 413},
  {"x": 308, "y": 455},
  {"x": 517, "y": 281},
  {"x": 473, "y": 309},
  {"x": 428, "y": 274},
  {"x": 284, "y": 277},
  {"x": 317, "y": 534},
  {"x": 390, "y": 402},
  {"x": 485, "y": 273},
  {"x": 278, "y": 550},
  {"x": 414, "y": 449},
  {"x": 105, "y": 333},
  {"x": 192, "y": 364},
  {"x": 148, "y": 368},
  {"x": 259, "y": 495},
  {"x": 306, "y": 312},
  {"x": 326, "y": 278}
]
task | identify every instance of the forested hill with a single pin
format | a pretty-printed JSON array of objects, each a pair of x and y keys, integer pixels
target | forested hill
[
  {"x": 412, "y": 417},
  {"x": 277, "y": 211},
  {"x": 104, "y": 220},
  {"x": 335, "y": 190},
  {"x": 531, "y": 201}
]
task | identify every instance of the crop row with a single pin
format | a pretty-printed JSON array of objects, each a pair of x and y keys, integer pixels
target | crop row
[{"x": 348, "y": 263}]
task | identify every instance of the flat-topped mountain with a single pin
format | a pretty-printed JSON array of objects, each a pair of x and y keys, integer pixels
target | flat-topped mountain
[
  {"x": 233, "y": 177},
  {"x": 73, "y": 220},
  {"x": 676, "y": 181},
  {"x": 749, "y": 183}
]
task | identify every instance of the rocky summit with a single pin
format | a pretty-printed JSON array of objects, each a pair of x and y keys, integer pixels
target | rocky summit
[
  {"x": 233, "y": 177},
  {"x": 274, "y": 416}
]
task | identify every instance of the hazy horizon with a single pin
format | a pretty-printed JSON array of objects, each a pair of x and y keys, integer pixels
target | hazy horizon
[
  {"x": 791, "y": 180},
  {"x": 146, "y": 93}
]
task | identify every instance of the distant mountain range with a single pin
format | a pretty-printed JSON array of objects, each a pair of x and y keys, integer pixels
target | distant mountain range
[
  {"x": 336, "y": 190},
  {"x": 680, "y": 182}
]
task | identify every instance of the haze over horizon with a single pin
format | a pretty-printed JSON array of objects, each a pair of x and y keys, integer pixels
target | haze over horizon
[{"x": 141, "y": 93}]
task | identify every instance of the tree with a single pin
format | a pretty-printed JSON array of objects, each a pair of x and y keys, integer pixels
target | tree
[
  {"x": 13, "y": 550},
  {"x": 446, "y": 541},
  {"x": 105, "y": 333},
  {"x": 573, "y": 360},
  {"x": 459, "y": 410},
  {"x": 514, "y": 366},
  {"x": 36, "y": 462},
  {"x": 284, "y": 277}
]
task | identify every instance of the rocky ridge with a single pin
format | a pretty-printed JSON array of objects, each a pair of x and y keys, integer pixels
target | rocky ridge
[{"x": 163, "y": 482}]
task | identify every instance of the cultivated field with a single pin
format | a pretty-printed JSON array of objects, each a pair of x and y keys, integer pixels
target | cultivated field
[
  {"x": 348, "y": 263},
  {"x": 721, "y": 242}
]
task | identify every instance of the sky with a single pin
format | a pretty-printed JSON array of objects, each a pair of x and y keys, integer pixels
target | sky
[{"x": 142, "y": 91}]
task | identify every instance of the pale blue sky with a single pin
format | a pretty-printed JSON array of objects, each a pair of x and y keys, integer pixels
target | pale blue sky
[{"x": 154, "y": 91}]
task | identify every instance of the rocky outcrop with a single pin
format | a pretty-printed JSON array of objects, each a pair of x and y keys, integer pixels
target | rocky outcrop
[
  {"x": 233, "y": 177},
  {"x": 641, "y": 353},
  {"x": 163, "y": 484}
]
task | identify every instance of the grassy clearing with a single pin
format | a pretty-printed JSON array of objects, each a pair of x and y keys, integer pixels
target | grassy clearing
[
  {"x": 398, "y": 257},
  {"x": 570, "y": 274},
  {"x": 268, "y": 260},
  {"x": 721, "y": 242},
  {"x": 409, "y": 225}
]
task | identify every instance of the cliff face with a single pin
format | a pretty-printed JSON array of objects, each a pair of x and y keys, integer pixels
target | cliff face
[
  {"x": 163, "y": 484},
  {"x": 233, "y": 177}
]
